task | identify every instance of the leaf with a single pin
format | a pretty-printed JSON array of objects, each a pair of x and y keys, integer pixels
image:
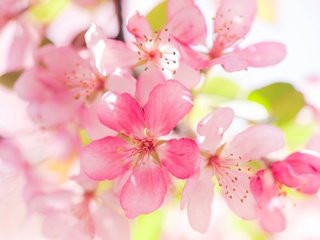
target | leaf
[
  {"x": 46, "y": 11},
  {"x": 157, "y": 17},
  {"x": 221, "y": 87},
  {"x": 148, "y": 226},
  {"x": 297, "y": 134},
  {"x": 281, "y": 99},
  {"x": 8, "y": 79}
]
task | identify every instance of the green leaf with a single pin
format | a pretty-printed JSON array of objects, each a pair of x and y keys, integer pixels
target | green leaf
[
  {"x": 297, "y": 134},
  {"x": 281, "y": 99},
  {"x": 148, "y": 227},
  {"x": 8, "y": 79},
  {"x": 46, "y": 11},
  {"x": 221, "y": 87},
  {"x": 157, "y": 18}
]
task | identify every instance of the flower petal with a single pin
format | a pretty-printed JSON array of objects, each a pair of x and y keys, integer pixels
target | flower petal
[
  {"x": 167, "y": 105},
  {"x": 262, "y": 54},
  {"x": 109, "y": 54},
  {"x": 104, "y": 158},
  {"x": 138, "y": 26},
  {"x": 122, "y": 113},
  {"x": 255, "y": 142},
  {"x": 174, "y": 6},
  {"x": 188, "y": 188},
  {"x": 144, "y": 191},
  {"x": 180, "y": 157},
  {"x": 272, "y": 220},
  {"x": 187, "y": 75},
  {"x": 147, "y": 81},
  {"x": 211, "y": 128},
  {"x": 199, "y": 207},
  {"x": 188, "y": 30},
  {"x": 300, "y": 170},
  {"x": 232, "y": 22},
  {"x": 314, "y": 143},
  {"x": 121, "y": 82},
  {"x": 240, "y": 198}
]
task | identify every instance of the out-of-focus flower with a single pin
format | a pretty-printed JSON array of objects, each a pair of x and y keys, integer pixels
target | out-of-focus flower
[
  {"x": 263, "y": 187},
  {"x": 19, "y": 36},
  {"x": 231, "y": 23},
  {"x": 153, "y": 50},
  {"x": 229, "y": 163},
  {"x": 138, "y": 147},
  {"x": 63, "y": 85}
]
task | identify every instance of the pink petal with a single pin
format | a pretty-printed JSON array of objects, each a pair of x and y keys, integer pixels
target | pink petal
[
  {"x": 94, "y": 38},
  {"x": 180, "y": 157},
  {"x": 174, "y": 6},
  {"x": 240, "y": 198},
  {"x": 110, "y": 223},
  {"x": 144, "y": 191},
  {"x": 122, "y": 113},
  {"x": 299, "y": 170},
  {"x": 232, "y": 21},
  {"x": 147, "y": 81},
  {"x": 91, "y": 123},
  {"x": 211, "y": 128},
  {"x": 105, "y": 158},
  {"x": 121, "y": 82},
  {"x": 167, "y": 105},
  {"x": 109, "y": 54},
  {"x": 138, "y": 26},
  {"x": 199, "y": 207},
  {"x": 187, "y": 75},
  {"x": 193, "y": 58},
  {"x": 188, "y": 30},
  {"x": 272, "y": 220},
  {"x": 188, "y": 188},
  {"x": 255, "y": 142},
  {"x": 314, "y": 143},
  {"x": 258, "y": 55}
]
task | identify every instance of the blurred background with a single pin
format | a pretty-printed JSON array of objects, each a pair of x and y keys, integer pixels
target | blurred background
[{"x": 295, "y": 83}]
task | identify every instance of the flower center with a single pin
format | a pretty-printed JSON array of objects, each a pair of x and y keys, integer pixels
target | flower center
[
  {"x": 145, "y": 145},
  {"x": 159, "y": 50},
  {"x": 83, "y": 83}
]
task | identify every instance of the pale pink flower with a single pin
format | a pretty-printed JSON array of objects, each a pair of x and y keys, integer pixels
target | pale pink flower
[
  {"x": 68, "y": 27},
  {"x": 266, "y": 193},
  {"x": 228, "y": 162},
  {"x": 154, "y": 50},
  {"x": 232, "y": 22},
  {"x": 19, "y": 36},
  {"x": 138, "y": 147},
  {"x": 63, "y": 85}
]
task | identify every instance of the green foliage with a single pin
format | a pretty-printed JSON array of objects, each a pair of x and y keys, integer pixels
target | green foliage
[
  {"x": 157, "y": 17},
  {"x": 47, "y": 10},
  {"x": 221, "y": 87},
  {"x": 297, "y": 135},
  {"x": 281, "y": 99},
  {"x": 148, "y": 227},
  {"x": 8, "y": 80}
]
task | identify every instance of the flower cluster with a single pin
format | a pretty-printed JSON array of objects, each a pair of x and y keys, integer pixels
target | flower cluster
[{"x": 114, "y": 111}]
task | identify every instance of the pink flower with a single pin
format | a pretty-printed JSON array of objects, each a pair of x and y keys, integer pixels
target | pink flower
[
  {"x": 231, "y": 23},
  {"x": 63, "y": 85},
  {"x": 153, "y": 50},
  {"x": 228, "y": 163},
  {"x": 19, "y": 36},
  {"x": 263, "y": 187},
  {"x": 300, "y": 170},
  {"x": 138, "y": 147}
]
